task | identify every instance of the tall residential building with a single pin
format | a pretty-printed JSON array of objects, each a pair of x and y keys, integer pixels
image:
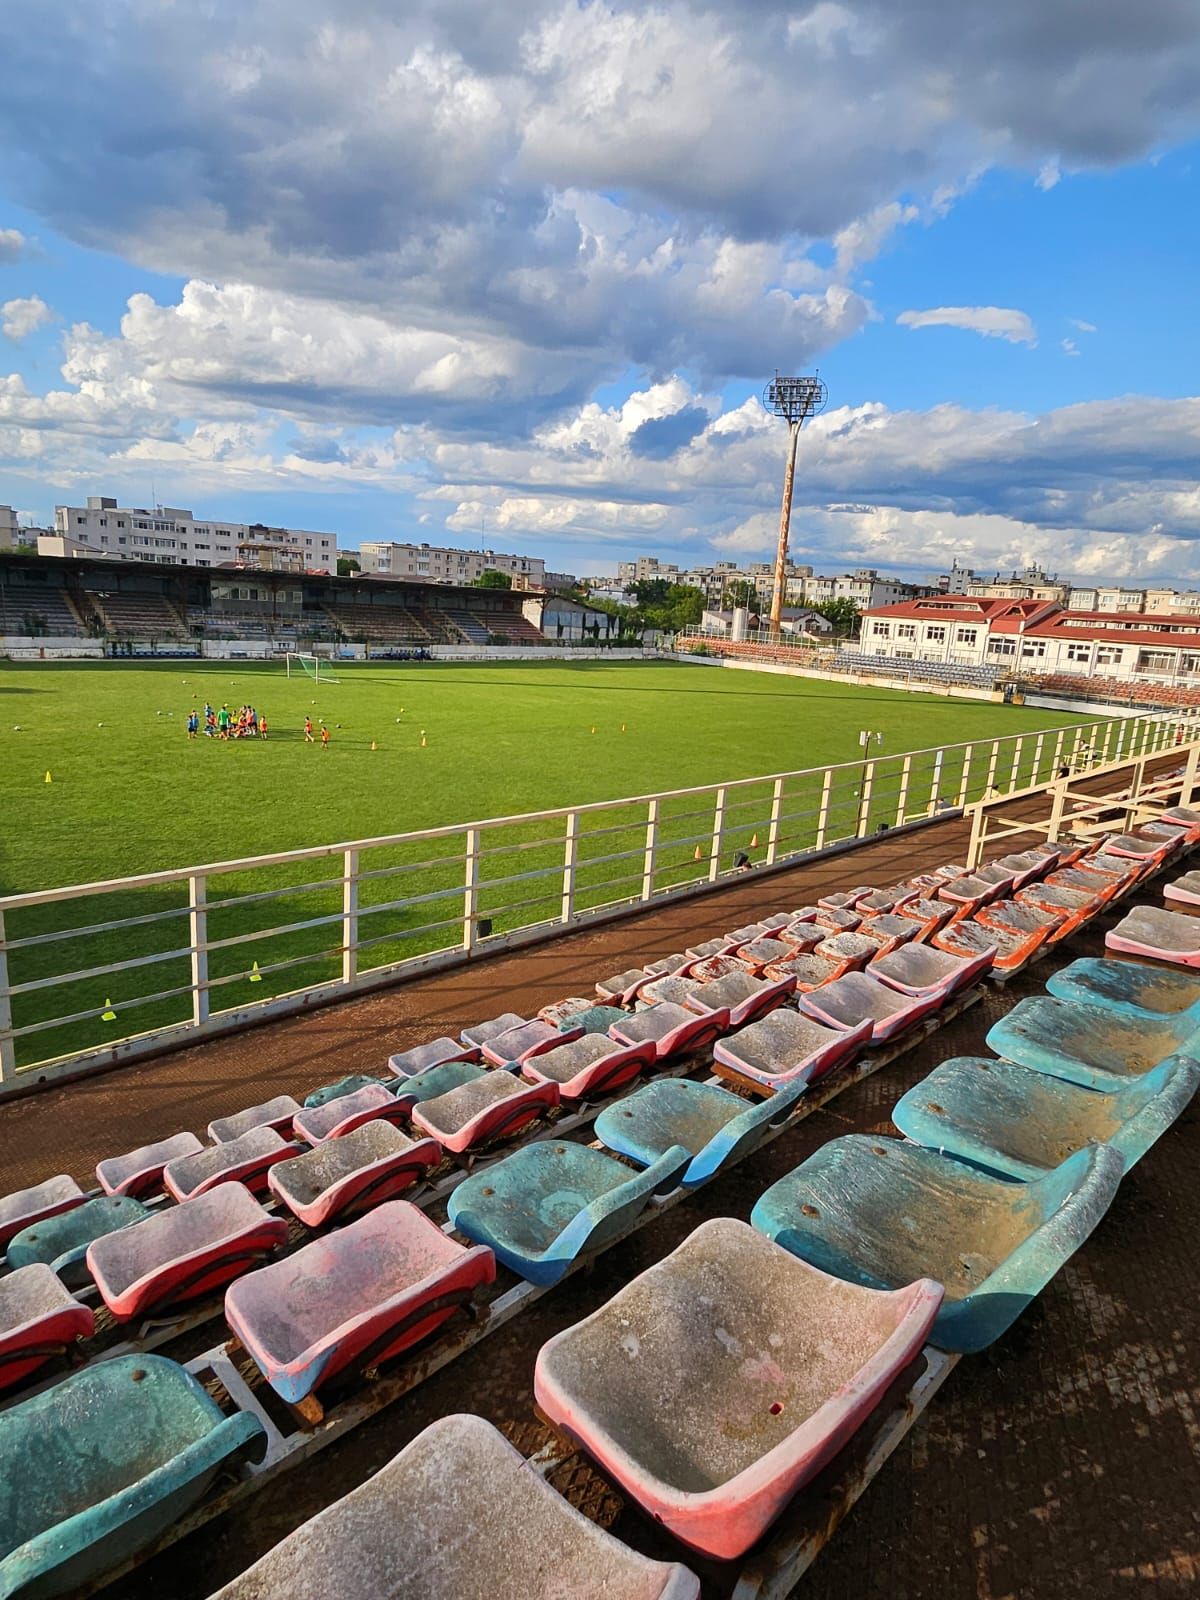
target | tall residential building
[
  {"x": 10, "y": 533},
  {"x": 434, "y": 563},
  {"x": 169, "y": 535},
  {"x": 645, "y": 569}
]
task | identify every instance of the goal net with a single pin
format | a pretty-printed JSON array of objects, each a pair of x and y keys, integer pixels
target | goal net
[{"x": 310, "y": 666}]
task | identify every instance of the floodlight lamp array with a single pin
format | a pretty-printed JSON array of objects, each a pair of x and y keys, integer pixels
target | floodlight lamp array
[{"x": 795, "y": 398}]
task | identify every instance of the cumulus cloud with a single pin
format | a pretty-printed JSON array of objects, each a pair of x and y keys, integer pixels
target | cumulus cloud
[
  {"x": 992, "y": 322},
  {"x": 20, "y": 318},
  {"x": 1084, "y": 327},
  {"x": 12, "y": 245},
  {"x": 1069, "y": 347}
]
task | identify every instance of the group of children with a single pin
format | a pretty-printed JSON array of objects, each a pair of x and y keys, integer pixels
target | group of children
[{"x": 245, "y": 723}]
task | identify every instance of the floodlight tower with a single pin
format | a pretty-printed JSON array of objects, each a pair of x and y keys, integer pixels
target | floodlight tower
[{"x": 793, "y": 399}]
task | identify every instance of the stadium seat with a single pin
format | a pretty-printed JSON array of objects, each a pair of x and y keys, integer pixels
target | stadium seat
[
  {"x": 674, "y": 988},
  {"x": 1157, "y": 934},
  {"x": 456, "y": 1514},
  {"x": 61, "y": 1241},
  {"x": 744, "y": 997},
  {"x": 886, "y": 932},
  {"x": 786, "y": 1045},
  {"x": 336, "y": 1091},
  {"x": 1090, "y": 1045},
  {"x": 622, "y": 989},
  {"x": 439, "y": 1080},
  {"x": 709, "y": 947},
  {"x": 1074, "y": 906},
  {"x": 529, "y": 1039},
  {"x": 1185, "y": 890},
  {"x": 479, "y": 1033},
  {"x": 246, "y": 1160},
  {"x": 966, "y": 894},
  {"x": 374, "y": 1163},
  {"x": 39, "y": 1318},
  {"x": 277, "y": 1113},
  {"x": 726, "y": 1344},
  {"x": 588, "y": 1066},
  {"x": 1022, "y": 930},
  {"x": 354, "y": 1298},
  {"x": 1102, "y": 886},
  {"x": 1022, "y": 1124},
  {"x": 493, "y": 1106},
  {"x": 139, "y": 1172},
  {"x": 836, "y": 918},
  {"x": 967, "y": 937},
  {"x": 27, "y": 1206},
  {"x": 758, "y": 954},
  {"x": 183, "y": 1253},
  {"x": 712, "y": 968},
  {"x": 929, "y": 915},
  {"x": 1026, "y": 865},
  {"x": 1143, "y": 994},
  {"x": 849, "y": 951},
  {"x": 992, "y": 1243},
  {"x": 1140, "y": 848},
  {"x": 596, "y": 1019},
  {"x": 802, "y": 937},
  {"x": 666, "y": 965},
  {"x": 565, "y": 1011},
  {"x": 110, "y": 1457},
  {"x": 921, "y": 969},
  {"x": 806, "y": 971},
  {"x": 849, "y": 1001},
  {"x": 375, "y": 1103},
  {"x": 546, "y": 1205},
  {"x": 844, "y": 899},
  {"x": 880, "y": 901},
  {"x": 715, "y": 1127},
  {"x": 423, "y": 1057},
  {"x": 1187, "y": 817},
  {"x": 670, "y": 1028}
]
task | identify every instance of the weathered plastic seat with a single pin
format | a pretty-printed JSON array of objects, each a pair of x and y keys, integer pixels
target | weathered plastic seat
[
  {"x": 456, "y": 1515},
  {"x": 246, "y": 1160},
  {"x": 338, "y": 1090},
  {"x": 423, "y": 1057},
  {"x": 139, "y": 1172},
  {"x": 719, "y": 1381},
  {"x": 921, "y": 969},
  {"x": 715, "y": 1127},
  {"x": 622, "y": 989},
  {"x": 848, "y": 1002},
  {"x": 39, "y": 1318},
  {"x": 276, "y": 1113},
  {"x": 787, "y": 1045},
  {"x": 886, "y": 932},
  {"x": 1023, "y": 929},
  {"x": 1184, "y": 890},
  {"x": 61, "y": 1241},
  {"x": 543, "y": 1207},
  {"x": 1004, "y": 878},
  {"x": 1022, "y": 1124},
  {"x": 336, "y": 1118},
  {"x": 109, "y": 1457},
  {"x": 678, "y": 961},
  {"x": 1140, "y": 848},
  {"x": 967, "y": 893},
  {"x": 529, "y": 1039},
  {"x": 670, "y": 1028},
  {"x": 837, "y": 918},
  {"x": 1187, "y": 817},
  {"x": 560, "y": 1011},
  {"x": 806, "y": 971},
  {"x": 1073, "y": 906},
  {"x": 1091, "y": 1045},
  {"x": 184, "y": 1252},
  {"x": 1103, "y": 886},
  {"x": 1025, "y": 865},
  {"x": 374, "y": 1163},
  {"x": 27, "y": 1206},
  {"x": 702, "y": 950},
  {"x": 437, "y": 1080},
  {"x": 1138, "y": 992},
  {"x": 492, "y": 1106},
  {"x": 850, "y": 951},
  {"x": 1158, "y": 934},
  {"x": 880, "y": 1212},
  {"x": 929, "y": 915},
  {"x": 672, "y": 988},
  {"x": 354, "y": 1298},
  {"x": 967, "y": 937},
  {"x": 881, "y": 901},
  {"x": 744, "y": 997},
  {"x": 758, "y": 954},
  {"x": 714, "y": 967},
  {"x": 801, "y": 937},
  {"x": 589, "y": 1065},
  {"x": 844, "y": 899},
  {"x": 480, "y": 1032},
  {"x": 597, "y": 1019}
]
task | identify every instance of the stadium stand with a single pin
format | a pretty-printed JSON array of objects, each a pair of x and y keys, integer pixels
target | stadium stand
[
  {"x": 510, "y": 628},
  {"x": 379, "y": 624},
  {"x": 468, "y": 624},
  {"x": 1119, "y": 691},
  {"x": 992, "y": 1244},
  {"x": 48, "y": 613},
  {"x": 139, "y": 616},
  {"x": 850, "y": 662}
]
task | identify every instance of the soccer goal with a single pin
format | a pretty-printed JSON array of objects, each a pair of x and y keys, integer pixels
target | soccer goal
[{"x": 310, "y": 667}]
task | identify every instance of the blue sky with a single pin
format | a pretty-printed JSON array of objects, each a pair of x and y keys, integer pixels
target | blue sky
[{"x": 419, "y": 269}]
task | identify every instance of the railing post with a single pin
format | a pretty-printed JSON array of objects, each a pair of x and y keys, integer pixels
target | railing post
[
  {"x": 1037, "y": 757},
  {"x": 978, "y": 834},
  {"x": 935, "y": 787},
  {"x": 823, "y": 811},
  {"x": 991, "y": 771},
  {"x": 198, "y": 939},
  {"x": 1016, "y": 765},
  {"x": 902, "y": 797},
  {"x": 471, "y": 890},
  {"x": 8, "y": 1045},
  {"x": 1124, "y": 723},
  {"x": 570, "y": 851},
  {"x": 1058, "y": 806},
  {"x": 350, "y": 916},
  {"x": 714, "y": 865},
  {"x": 651, "y": 849},
  {"x": 773, "y": 825},
  {"x": 1186, "y": 790},
  {"x": 864, "y": 807},
  {"x": 1057, "y": 761},
  {"x": 1108, "y": 733}
]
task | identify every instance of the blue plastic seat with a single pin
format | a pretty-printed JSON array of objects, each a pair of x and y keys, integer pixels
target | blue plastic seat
[
  {"x": 543, "y": 1207},
  {"x": 882, "y": 1213},
  {"x": 1092, "y": 1045},
  {"x": 61, "y": 1242},
  {"x": 713, "y": 1126},
  {"x": 434, "y": 1081},
  {"x": 1022, "y": 1124},
  {"x": 1140, "y": 993},
  {"x": 108, "y": 1458}
]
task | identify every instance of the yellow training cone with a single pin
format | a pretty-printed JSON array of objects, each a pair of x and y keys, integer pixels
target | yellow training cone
[
  {"x": 49, "y": 779},
  {"x": 374, "y": 746},
  {"x": 754, "y": 842},
  {"x": 698, "y": 856},
  {"x": 255, "y": 974},
  {"x": 108, "y": 1014},
  {"x": 593, "y": 730},
  {"x": 622, "y": 727},
  {"x": 422, "y": 739}
]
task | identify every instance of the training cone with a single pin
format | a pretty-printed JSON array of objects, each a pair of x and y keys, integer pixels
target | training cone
[
  {"x": 593, "y": 730},
  {"x": 108, "y": 1014},
  {"x": 754, "y": 842},
  {"x": 255, "y": 974},
  {"x": 49, "y": 779},
  {"x": 622, "y": 727},
  {"x": 374, "y": 746},
  {"x": 698, "y": 856},
  {"x": 423, "y": 740}
]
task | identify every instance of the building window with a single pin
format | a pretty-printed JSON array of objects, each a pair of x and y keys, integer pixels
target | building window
[
  {"x": 1156, "y": 661},
  {"x": 883, "y": 630},
  {"x": 81, "y": 521},
  {"x": 935, "y": 635},
  {"x": 1079, "y": 652},
  {"x": 965, "y": 635},
  {"x": 906, "y": 630}
]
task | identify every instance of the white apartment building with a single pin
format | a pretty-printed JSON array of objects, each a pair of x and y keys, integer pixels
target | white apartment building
[
  {"x": 170, "y": 535},
  {"x": 1108, "y": 597},
  {"x": 645, "y": 569},
  {"x": 433, "y": 563},
  {"x": 10, "y": 532}
]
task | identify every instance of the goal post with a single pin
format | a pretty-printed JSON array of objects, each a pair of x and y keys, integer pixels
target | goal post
[{"x": 298, "y": 663}]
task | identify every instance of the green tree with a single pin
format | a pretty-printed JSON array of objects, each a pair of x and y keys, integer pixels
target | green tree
[
  {"x": 843, "y": 613},
  {"x": 346, "y": 565},
  {"x": 739, "y": 592},
  {"x": 489, "y": 578},
  {"x": 650, "y": 593}
]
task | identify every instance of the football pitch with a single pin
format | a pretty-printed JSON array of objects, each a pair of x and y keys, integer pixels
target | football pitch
[{"x": 412, "y": 745}]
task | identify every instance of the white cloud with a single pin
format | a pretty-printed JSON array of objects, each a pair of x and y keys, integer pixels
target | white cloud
[
  {"x": 992, "y": 322},
  {"x": 1069, "y": 347},
  {"x": 1049, "y": 175},
  {"x": 20, "y": 318},
  {"x": 1084, "y": 327},
  {"x": 12, "y": 245}
]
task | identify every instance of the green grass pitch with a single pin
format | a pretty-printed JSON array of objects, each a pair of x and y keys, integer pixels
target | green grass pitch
[{"x": 130, "y": 794}]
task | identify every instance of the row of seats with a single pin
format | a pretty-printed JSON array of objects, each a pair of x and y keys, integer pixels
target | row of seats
[
  {"x": 139, "y": 616},
  {"x": 1121, "y": 691},
  {"x": 397, "y": 1237},
  {"x": 30, "y": 612}
]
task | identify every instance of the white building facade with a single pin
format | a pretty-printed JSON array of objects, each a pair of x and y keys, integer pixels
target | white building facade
[
  {"x": 432, "y": 563},
  {"x": 172, "y": 536}
]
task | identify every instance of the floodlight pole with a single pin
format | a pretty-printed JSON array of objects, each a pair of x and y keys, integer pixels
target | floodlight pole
[
  {"x": 794, "y": 399},
  {"x": 785, "y": 525}
]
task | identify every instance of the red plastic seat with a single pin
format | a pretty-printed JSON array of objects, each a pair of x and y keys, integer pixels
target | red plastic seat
[
  {"x": 375, "y": 1162},
  {"x": 38, "y": 1319},
  {"x": 139, "y": 1172},
  {"x": 338, "y": 1117},
  {"x": 490, "y": 1107},
  {"x": 849, "y": 1001},
  {"x": 671, "y": 1029},
  {"x": 246, "y": 1160},
  {"x": 434, "y": 1053},
  {"x": 743, "y": 996},
  {"x": 526, "y": 1040},
  {"x": 276, "y": 1113},
  {"x": 29, "y": 1206},
  {"x": 589, "y": 1065}
]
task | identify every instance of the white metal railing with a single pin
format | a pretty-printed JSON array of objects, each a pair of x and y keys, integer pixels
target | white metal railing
[{"x": 98, "y": 972}]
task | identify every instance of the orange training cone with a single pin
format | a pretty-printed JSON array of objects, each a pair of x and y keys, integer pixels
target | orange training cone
[
  {"x": 698, "y": 856},
  {"x": 754, "y": 842}
]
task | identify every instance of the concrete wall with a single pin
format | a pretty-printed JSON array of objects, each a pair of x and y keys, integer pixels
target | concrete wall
[{"x": 49, "y": 648}]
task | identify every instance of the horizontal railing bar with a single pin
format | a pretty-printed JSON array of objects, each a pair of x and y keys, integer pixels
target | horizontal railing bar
[
  {"x": 408, "y": 933},
  {"x": 98, "y": 972},
  {"x": 93, "y": 1012},
  {"x": 105, "y": 928}
]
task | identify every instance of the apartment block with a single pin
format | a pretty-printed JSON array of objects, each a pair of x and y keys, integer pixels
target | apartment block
[
  {"x": 172, "y": 536},
  {"x": 432, "y": 563}
]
